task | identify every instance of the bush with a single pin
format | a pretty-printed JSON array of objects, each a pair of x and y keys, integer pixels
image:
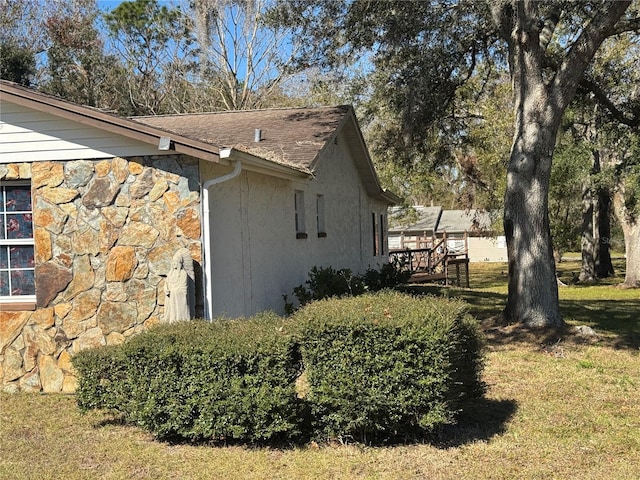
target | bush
[
  {"x": 377, "y": 366},
  {"x": 385, "y": 365},
  {"x": 222, "y": 381},
  {"x": 326, "y": 282}
]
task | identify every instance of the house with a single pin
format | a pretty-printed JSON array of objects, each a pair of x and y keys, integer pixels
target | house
[
  {"x": 94, "y": 206},
  {"x": 471, "y": 230},
  {"x": 414, "y": 227}
]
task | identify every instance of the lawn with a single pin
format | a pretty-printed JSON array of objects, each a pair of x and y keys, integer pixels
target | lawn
[{"x": 557, "y": 407}]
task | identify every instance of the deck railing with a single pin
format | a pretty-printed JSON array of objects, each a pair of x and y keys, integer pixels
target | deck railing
[{"x": 433, "y": 263}]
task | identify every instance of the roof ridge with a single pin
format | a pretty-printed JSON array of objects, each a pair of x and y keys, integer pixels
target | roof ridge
[{"x": 255, "y": 110}]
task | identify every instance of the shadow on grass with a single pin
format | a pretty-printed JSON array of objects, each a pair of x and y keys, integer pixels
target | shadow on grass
[
  {"x": 619, "y": 318},
  {"x": 616, "y": 322},
  {"x": 479, "y": 421}
]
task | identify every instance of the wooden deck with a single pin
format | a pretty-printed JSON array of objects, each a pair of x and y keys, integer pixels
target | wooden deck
[{"x": 434, "y": 264}]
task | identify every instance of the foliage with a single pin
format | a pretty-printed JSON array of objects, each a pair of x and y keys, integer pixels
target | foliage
[
  {"x": 230, "y": 380},
  {"x": 326, "y": 282},
  {"x": 155, "y": 47},
  {"x": 388, "y": 366},
  {"x": 570, "y": 171},
  {"x": 77, "y": 69},
  {"x": 17, "y": 64}
]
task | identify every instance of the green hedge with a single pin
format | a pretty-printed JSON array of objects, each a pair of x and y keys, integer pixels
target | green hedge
[
  {"x": 388, "y": 365},
  {"x": 224, "y": 380},
  {"x": 377, "y": 367}
]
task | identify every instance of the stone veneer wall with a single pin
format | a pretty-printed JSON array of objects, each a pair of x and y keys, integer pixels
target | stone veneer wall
[{"x": 104, "y": 233}]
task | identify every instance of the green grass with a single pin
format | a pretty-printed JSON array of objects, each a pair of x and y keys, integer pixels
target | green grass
[{"x": 556, "y": 408}]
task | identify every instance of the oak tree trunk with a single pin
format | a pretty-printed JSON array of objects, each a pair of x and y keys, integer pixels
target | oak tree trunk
[
  {"x": 631, "y": 230},
  {"x": 604, "y": 266},
  {"x": 588, "y": 240},
  {"x": 533, "y": 289}
]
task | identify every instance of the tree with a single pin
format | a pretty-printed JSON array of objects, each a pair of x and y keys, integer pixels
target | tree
[
  {"x": 156, "y": 49},
  {"x": 243, "y": 59},
  {"x": 21, "y": 39},
  {"x": 17, "y": 64},
  {"x": 431, "y": 49},
  {"x": 569, "y": 173},
  {"x": 77, "y": 68}
]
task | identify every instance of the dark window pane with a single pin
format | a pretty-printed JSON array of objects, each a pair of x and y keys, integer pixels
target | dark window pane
[
  {"x": 18, "y": 198},
  {"x": 22, "y": 282},
  {"x": 4, "y": 283},
  {"x": 19, "y": 226},
  {"x": 4, "y": 258},
  {"x": 22, "y": 257},
  {"x": 2, "y": 234}
]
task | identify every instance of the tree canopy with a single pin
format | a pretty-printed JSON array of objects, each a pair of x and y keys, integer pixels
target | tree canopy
[{"x": 424, "y": 53}]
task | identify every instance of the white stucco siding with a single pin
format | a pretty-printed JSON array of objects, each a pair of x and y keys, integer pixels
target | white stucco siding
[
  {"x": 29, "y": 136},
  {"x": 348, "y": 209},
  {"x": 255, "y": 253}
]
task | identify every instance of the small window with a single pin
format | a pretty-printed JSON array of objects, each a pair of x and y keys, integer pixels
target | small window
[
  {"x": 320, "y": 216},
  {"x": 299, "y": 211},
  {"x": 382, "y": 234},
  {"x": 376, "y": 234},
  {"x": 17, "y": 261}
]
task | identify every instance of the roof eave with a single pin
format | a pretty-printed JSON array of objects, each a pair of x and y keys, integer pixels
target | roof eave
[
  {"x": 253, "y": 163},
  {"x": 105, "y": 121}
]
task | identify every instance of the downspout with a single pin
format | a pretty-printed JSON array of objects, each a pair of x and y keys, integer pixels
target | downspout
[{"x": 208, "y": 268}]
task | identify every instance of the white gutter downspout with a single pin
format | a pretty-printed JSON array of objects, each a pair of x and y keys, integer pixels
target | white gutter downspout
[{"x": 208, "y": 268}]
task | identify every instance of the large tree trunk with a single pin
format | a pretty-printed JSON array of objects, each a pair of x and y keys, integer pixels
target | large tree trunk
[
  {"x": 631, "y": 230},
  {"x": 596, "y": 229},
  {"x": 533, "y": 288},
  {"x": 604, "y": 265},
  {"x": 588, "y": 240}
]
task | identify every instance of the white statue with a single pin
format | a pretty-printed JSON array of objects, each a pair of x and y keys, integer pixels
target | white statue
[{"x": 176, "y": 288}]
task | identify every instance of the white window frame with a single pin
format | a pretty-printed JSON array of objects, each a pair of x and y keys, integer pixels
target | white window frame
[{"x": 5, "y": 242}]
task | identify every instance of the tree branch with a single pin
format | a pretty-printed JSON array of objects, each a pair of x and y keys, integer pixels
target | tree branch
[
  {"x": 627, "y": 25},
  {"x": 549, "y": 26},
  {"x": 606, "y": 102},
  {"x": 584, "y": 48}
]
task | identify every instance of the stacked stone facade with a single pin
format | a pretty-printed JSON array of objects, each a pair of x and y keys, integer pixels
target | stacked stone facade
[{"x": 104, "y": 234}]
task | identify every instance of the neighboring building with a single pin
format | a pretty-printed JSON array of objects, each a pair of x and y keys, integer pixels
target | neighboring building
[
  {"x": 473, "y": 230},
  {"x": 465, "y": 229},
  {"x": 93, "y": 206},
  {"x": 414, "y": 227}
]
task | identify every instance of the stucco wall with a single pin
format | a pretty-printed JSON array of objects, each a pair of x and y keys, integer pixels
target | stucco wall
[
  {"x": 256, "y": 257},
  {"x": 104, "y": 232}
]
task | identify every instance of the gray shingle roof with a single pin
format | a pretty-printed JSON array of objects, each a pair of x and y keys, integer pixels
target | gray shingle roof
[
  {"x": 460, "y": 221},
  {"x": 427, "y": 220},
  {"x": 290, "y": 136}
]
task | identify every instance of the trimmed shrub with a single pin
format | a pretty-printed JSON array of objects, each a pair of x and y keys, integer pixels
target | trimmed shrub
[
  {"x": 326, "y": 282},
  {"x": 227, "y": 380},
  {"x": 384, "y": 366}
]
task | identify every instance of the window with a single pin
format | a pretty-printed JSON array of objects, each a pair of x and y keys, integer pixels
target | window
[
  {"x": 320, "y": 216},
  {"x": 17, "y": 263},
  {"x": 376, "y": 234},
  {"x": 382, "y": 234},
  {"x": 299, "y": 209}
]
